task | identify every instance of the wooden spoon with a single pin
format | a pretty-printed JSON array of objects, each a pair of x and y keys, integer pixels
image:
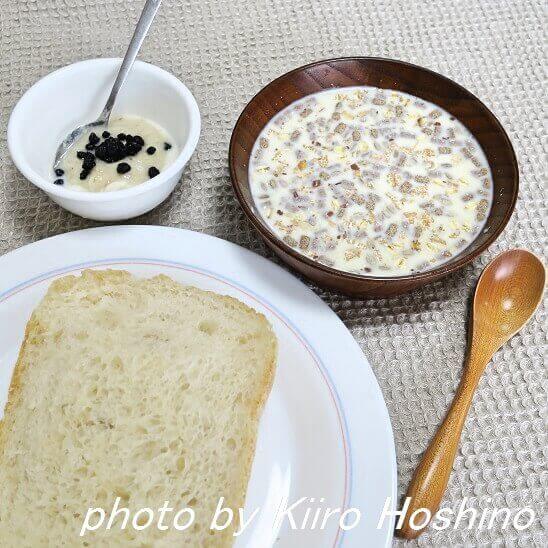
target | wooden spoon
[{"x": 508, "y": 293}]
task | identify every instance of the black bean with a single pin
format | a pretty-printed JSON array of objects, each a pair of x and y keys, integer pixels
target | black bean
[
  {"x": 88, "y": 164},
  {"x": 153, "y": 171},
  {"x": 132, "y": 148},
  {"x": 93, "y": 138},
  {"x": 167, "y": 146},
  {"x": 105, "y": 134},
  {"x": 58, "y": 182},
  {"x": 151, "y": 150},
  {"x": 111, "y": 150},
  {"x": 123, "y": 167},
  {"x": 59, "y": 172}
]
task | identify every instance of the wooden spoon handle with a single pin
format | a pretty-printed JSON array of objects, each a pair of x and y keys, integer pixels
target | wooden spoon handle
[{"x": 431, "y": 476}]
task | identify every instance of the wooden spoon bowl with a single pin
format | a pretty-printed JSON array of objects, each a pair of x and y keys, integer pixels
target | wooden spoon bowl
[{"x": 388, "y": 74}]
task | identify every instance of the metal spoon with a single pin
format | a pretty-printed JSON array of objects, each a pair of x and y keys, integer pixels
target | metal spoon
[
  {"x": 147, "y": 16},
  {"x": 507, "y": 295}
]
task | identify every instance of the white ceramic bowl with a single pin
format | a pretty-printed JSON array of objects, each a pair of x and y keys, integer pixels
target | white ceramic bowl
[{"x": 75, "y": 95}]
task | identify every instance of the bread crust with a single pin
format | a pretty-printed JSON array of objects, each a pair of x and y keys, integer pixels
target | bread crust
[{"x": 14, "y": 390}]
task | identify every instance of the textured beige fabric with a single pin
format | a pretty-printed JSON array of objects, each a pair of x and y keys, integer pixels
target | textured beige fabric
[{"x": 225, "y": 51}]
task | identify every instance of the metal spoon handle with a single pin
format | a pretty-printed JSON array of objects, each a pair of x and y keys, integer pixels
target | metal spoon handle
[{"x": 147, "y": 16}]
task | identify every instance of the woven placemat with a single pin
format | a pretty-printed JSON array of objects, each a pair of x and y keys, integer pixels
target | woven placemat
[{"x": 225, "y": 51}]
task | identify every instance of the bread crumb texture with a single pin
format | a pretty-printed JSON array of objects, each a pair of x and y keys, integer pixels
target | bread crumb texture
[{"x": 142, "y": 389}]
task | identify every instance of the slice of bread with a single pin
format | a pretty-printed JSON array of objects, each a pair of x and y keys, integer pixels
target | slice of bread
[{"x": 141, "y": 389}]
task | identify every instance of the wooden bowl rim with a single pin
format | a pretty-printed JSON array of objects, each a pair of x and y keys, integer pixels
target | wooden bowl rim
[{"x": 425, "y": 275}]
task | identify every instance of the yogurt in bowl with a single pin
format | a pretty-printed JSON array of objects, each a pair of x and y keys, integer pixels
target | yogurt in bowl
[
  {"x": 130, "y": 151},
  {"x": 71, "y": 96}
]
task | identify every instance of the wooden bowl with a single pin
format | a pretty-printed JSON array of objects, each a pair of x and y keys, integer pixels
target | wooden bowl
[{"x": 389, "y": 74}]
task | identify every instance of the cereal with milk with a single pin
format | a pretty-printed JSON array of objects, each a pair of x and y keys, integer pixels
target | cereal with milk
[{"x": 371, "y": 181}]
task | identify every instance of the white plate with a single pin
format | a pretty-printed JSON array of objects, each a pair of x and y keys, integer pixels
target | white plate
[{"x": 325, "y": 433}]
